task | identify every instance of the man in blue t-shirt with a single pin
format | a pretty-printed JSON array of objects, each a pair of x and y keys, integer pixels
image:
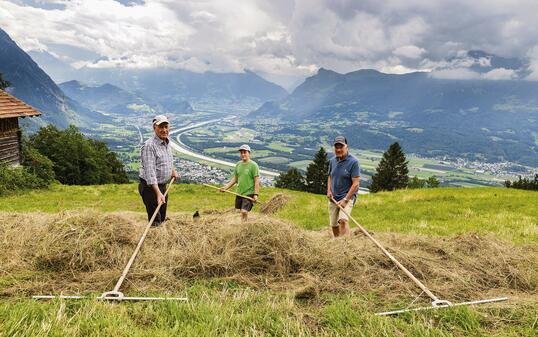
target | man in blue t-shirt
[{"x": 342, "y": 186}]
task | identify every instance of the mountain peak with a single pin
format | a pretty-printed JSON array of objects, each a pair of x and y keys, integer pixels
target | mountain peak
[
  {"x": 324, "y": 72},
  {"x": 32, "y": 85},
  {"x": 5, "y": 36},
  {"x": 363, "y": 72},
  {"x": 72, "y": 83}
]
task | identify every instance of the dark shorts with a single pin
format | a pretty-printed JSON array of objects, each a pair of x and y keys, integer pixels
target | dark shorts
[{"x": 243, "y": 203}]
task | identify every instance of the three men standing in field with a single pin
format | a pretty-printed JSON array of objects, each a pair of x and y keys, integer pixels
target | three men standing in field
[
  {"x": 247, "y": 176},
  {"x": 157, "y": 169},
  {"x": 342, "y": 186}
]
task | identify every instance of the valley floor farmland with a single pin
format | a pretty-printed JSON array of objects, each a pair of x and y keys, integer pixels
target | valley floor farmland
[
  {"x": 212, "y": 138},
  {"x": 279, "y": 274}
]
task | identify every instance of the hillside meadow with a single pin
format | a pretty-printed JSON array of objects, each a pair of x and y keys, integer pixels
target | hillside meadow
[
  {"x": 277, "y": 275},
  {"x": 509, "y": 213}
]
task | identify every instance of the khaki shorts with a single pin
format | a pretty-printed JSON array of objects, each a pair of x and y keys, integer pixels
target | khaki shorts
[{"x": 336, "y": 214}]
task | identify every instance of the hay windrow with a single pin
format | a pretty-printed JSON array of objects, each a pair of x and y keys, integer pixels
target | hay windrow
[
  {"x": 272, "y": 206},
  {"x": 86, "y": 251}
]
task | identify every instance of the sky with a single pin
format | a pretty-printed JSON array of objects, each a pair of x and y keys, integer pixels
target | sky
[{"x": 282, "y": 40}]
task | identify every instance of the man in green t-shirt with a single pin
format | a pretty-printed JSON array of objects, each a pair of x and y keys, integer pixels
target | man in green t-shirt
[{"x": 247, "y": 176}]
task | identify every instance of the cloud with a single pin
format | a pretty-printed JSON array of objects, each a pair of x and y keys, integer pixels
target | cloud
[
  {"x": 412, "y": 52},
  {"x": 500, "y": 74},
  {"x": 455, "y": 74},
  {"x": 468, "y": 74},
  {"x": 283, "y": 37},
  {"x": 533, "y": 67}
]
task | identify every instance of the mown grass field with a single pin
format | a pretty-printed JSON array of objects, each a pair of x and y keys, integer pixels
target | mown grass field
[
  {"x": 220, "y": 307},
  {"x": 511, "y": 214}
]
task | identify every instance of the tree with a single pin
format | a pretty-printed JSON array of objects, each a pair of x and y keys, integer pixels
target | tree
[
  {"x": 4, "y": 83},
  {"x": 433, "y": 182},
  {"x": 36, "y": 163},
  {"x": 76, "y": 159},
  {"x": 317, "y": 173},
  {"x": 416, "y": 182},
  {"x": 523, "y": 183},
  {"x": 292, "y": 179},
  {"x": 392, "y": 172}
]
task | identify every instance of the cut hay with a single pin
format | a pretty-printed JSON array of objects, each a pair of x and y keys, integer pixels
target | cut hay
[
  {"x": 74, "y": 252},
  {"x": 275, "y": 203}
]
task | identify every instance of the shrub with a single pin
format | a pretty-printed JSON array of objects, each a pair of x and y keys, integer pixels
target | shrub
[
  {"x": 18, "y": 178},
  {"x": 36, "y": 163},
  {"x": 292, "y": 179}
]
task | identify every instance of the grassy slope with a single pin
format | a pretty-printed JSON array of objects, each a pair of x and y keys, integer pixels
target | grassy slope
[
  {"x": 226, "y": 308},
  {"x": 509, "y": 213}
]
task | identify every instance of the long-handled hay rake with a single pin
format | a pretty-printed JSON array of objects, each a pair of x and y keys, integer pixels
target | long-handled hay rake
[
  {"x": 116, "y": 294},
  {"x": 237, "y": 194},
  {"x": 436, "y": 302}
]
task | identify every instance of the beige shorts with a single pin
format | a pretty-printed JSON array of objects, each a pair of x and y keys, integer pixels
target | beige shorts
[{"x": 336, "y": 214}]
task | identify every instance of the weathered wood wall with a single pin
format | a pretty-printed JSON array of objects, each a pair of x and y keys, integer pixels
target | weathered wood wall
[{"x": 10, "y": 141}]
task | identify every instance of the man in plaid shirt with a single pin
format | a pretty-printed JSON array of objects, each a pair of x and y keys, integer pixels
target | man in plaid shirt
[{"x": 156, "y": 169}]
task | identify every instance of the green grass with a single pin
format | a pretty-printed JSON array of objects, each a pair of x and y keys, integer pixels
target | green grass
[
  {"x": 219, "y": 310},
  {"x": 227, "y": 308},
  {"x": 241, "y": 135},
  {"x": 274, "y": 160},
  {"x": 301, "y": 164},
  {"x": 223, "y": 149},
  {"x": 280, "y": 146},
  {"x": 509, "y": 213}
]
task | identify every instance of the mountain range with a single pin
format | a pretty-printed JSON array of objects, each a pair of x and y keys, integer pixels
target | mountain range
[
  {"x": 31, "y": 84},
  {"x": 430, "y": 116},
  {"x": 492, "y": 120},
  {"x": 170, "y": 87},
  {"x": 112, "y": 99},
  {"x": 119, "y": 90}
]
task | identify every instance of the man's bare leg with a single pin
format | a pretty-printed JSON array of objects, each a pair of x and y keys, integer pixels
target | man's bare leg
[
  {"x": 344, "y": 227},
  {"x": 336, "y": 231}
]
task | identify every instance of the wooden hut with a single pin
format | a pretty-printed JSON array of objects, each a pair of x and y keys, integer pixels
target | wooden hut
[{"x": 11, "y": 109}]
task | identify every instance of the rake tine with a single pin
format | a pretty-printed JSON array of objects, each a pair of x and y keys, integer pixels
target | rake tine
[
  {"x": 436, "y": 302},
  {"x": 396, "y": 312},
  {"x": 63, "y": 297},
  {"x": 115, "y": 294},
  {"x": 109, "y": 298}
]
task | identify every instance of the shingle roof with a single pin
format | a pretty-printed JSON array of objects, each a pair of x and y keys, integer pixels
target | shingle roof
[{"x": 14, "y": 107}]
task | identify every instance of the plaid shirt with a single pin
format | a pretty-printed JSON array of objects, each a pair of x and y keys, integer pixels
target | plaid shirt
[{"x": 157, "y": 161}]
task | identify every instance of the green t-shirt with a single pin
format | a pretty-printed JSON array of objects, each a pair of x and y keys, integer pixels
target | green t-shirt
[{"x": 245, "y": 173}]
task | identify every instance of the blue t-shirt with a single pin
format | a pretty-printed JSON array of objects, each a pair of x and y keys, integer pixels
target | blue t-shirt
[{"x": 341, "y": 172}]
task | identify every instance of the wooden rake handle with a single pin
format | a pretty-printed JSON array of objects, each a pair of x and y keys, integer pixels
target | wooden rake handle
[
  {"x": 137, "y": 249},
  {"x": 237, "y": 194},
  {"x": 389, "y": 255}
]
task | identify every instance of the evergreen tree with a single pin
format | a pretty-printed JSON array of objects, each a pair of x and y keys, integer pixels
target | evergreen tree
[
  {"x": 392, "y": 172},
  {"x": 3, "y": 83},
  {"x": 317, "y": 173},
  {"x": 292, "y": 179},
  {"x": 523, "y": 183}
]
